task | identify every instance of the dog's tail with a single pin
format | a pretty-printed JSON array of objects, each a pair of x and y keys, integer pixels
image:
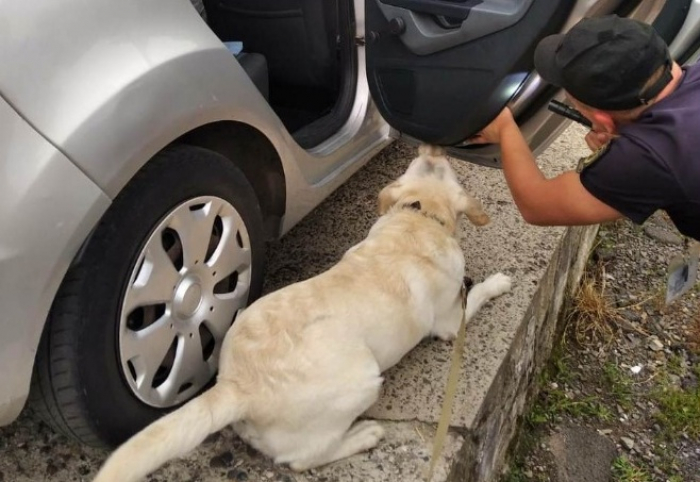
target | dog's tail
[{"x": 173, "y": 435}]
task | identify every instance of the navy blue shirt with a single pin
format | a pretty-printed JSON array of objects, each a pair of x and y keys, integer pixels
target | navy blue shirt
[{"x": 655, "y": 163}]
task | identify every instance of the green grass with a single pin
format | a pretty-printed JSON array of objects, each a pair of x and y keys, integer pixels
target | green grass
[
  {"x": 668, "y": 462},
  {"x": 679, "y": 412},
  {"x": 553, "y": 402},
  {"x": 562, "y": 371},
  {"x": 558, "y": 404},
  {"x": 678, "y": 409},
  {"x": 624, "y": 471},
  {"x": 618, "y": 384},
  {"x": 675, "y": 365},
  {"x": 517, "y": 474}
]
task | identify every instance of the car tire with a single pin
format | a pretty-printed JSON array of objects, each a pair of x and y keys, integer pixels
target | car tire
[{"x": 85, "y": 384}]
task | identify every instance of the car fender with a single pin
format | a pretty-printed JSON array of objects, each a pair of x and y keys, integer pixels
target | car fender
[{"x": 151, "y": 72}]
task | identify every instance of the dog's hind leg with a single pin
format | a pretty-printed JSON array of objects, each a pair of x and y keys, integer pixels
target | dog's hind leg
[
  {"x": 446, "y": 328},
  {"x": 361, "y": 436},
  {"x": 325, "y": 433},
  {"x": 492, "y": 287},
  {"x": 474, "y": 210}
]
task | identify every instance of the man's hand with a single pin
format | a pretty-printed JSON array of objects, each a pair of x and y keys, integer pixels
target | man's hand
[{"x": 492, "y": 133}]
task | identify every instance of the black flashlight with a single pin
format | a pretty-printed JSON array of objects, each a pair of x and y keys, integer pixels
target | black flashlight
[{"x": 568, "y": 112}]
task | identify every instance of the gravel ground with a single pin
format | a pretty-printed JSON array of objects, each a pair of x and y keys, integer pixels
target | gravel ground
[
  {"x": 31, "y": 452},
  {"x": 621, "y": 399}
]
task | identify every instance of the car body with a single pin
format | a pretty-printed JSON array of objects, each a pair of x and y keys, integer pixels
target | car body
[{"x": 92, "y": 92}]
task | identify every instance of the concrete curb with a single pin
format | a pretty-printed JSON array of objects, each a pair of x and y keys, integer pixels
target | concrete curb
[{"x": 482, "y": 456}]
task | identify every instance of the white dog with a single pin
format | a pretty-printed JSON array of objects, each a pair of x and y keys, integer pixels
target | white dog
[{"x": 300, "y": 365}]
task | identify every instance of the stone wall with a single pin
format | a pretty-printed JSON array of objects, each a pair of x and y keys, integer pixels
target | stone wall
[{"x": 482, "y": 456}]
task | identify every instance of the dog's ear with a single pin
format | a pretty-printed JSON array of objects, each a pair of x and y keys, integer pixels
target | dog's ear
[
  {"x": 472, "y": 207},
  {"x": 388, "y": 197}
]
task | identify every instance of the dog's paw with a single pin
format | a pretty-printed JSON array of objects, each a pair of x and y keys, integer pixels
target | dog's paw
[
  {"x": 445, "y": 335},
  {"x": 481, "y": 219},
  {"x": 368, "y": 431},
  {"x": 498, "y": 284}
]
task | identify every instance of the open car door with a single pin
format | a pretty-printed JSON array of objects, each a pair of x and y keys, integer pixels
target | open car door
[{"x": 440, "y": 70}]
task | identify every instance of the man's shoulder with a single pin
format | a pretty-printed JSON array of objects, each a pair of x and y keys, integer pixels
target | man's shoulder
[
  {"x": 592, "y": 158},
  {"x": 624, "y": 156},
  {"x": 692, "y": 71}
]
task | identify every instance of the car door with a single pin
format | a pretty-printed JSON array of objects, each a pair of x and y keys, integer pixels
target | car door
[{"x": 439, "y": 70}]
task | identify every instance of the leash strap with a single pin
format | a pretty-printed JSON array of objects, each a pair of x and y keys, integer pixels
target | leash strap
[{"x": 450, "y": 388}]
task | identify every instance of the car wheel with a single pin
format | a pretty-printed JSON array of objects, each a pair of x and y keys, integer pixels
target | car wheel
[{"x": 138, "y": 322}]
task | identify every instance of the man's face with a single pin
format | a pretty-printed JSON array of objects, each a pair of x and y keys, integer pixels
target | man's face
[
  {"x": 588, "y": 112},
  {"x": 596, "y": 116}
]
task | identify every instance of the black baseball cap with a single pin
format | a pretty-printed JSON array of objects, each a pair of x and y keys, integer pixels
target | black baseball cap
[{"x": 605, "y": 62}]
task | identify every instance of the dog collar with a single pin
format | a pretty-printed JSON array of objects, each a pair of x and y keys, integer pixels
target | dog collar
[{"x": 416, "y": 206}]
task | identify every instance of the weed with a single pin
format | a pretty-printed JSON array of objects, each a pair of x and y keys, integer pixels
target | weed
[
  {"x": 515, "y": 474},
  {"x": 624, "y": 471},
  {"x": 559, "y": 368},
  {"x": 619, "y": 385},
  {"x": 592, "y": 315},
  {"x": 555, "y": 402},
  {"x": 679, "y": 412},
  {"x": 667, "y": 461},
  {"x": 675, "y": 365}
]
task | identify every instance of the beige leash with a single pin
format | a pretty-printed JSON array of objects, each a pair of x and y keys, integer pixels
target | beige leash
[{"x": 450, "y": 388}]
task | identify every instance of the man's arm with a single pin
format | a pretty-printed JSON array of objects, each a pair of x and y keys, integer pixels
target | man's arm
[{"x": 559, "y": 201}]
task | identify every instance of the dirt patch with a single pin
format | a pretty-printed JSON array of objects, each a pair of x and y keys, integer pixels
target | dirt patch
[
  {"x": 581, "y": 454},
  {"x": 624, "y": 375}
]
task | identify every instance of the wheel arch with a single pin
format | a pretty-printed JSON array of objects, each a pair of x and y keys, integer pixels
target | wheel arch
[{"x": 253, "y": 153}]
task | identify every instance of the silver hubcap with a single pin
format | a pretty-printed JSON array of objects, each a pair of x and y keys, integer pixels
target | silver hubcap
[{"x": 189, "y": 282}]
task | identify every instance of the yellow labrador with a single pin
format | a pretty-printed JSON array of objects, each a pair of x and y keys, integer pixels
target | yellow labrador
[{"x": 301, "y": 364}]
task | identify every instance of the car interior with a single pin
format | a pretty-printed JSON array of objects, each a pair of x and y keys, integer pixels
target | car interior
[{"x": 299, "y": 53}]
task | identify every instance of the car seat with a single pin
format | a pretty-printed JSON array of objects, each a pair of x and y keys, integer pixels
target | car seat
[{"x": 297, "y": 37}]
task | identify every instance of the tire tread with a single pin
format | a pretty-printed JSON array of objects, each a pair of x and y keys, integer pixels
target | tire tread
[{"x": 56, "y": 394}]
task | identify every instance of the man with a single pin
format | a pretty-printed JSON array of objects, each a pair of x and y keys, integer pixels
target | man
[{"x": 645, "y": 111}]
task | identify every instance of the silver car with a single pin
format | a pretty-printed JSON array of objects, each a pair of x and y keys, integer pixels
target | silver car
[{"x": 150, "y": 149}]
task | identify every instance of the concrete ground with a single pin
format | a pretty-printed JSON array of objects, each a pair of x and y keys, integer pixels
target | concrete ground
[{"x": 500, "y": 356}]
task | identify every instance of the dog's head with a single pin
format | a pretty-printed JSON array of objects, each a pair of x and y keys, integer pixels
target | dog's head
[{"x": 431, "y": 186}]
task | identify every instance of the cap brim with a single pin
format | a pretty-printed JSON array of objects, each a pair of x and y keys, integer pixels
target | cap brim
[{"x": 545, "y": 59}]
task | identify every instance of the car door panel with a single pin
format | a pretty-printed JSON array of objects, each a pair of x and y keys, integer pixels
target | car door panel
[
  {"x": 443, "y": 93},
  {"x": 433, "y": 25}
]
